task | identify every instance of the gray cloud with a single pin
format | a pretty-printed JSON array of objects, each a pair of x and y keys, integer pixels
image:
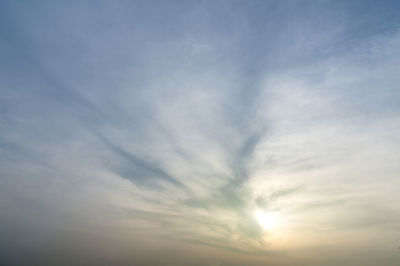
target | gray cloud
[{"x": 151, "y": 133}]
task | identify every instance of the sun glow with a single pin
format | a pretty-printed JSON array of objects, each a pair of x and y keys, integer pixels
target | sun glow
[{"x": 268, "y": 220}]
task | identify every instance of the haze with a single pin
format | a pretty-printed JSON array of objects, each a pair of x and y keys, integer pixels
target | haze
[{"x": 200, "y": 133}]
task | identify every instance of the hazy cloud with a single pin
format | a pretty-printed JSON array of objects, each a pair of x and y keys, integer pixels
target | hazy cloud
[{"x": 152, "y": 133}]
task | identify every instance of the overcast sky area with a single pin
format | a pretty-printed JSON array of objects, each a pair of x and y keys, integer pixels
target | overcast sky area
[{"x": 200, "y": 133}]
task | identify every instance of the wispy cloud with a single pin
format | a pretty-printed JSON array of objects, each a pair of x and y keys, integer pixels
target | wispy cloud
[{"x": 159, "y": 123}]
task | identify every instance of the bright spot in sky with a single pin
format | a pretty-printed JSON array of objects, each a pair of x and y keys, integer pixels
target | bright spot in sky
[{"x": 268, "y": 220}]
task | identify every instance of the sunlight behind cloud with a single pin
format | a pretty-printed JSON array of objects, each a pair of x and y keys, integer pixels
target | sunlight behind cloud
[{"x": 269, "y": 220}]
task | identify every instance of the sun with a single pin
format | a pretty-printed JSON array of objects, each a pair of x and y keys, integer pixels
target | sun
[{"x": 268, "y": 220}]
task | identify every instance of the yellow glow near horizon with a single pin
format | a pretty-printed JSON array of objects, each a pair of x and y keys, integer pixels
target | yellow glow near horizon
[{"x": 268, "y": 220}]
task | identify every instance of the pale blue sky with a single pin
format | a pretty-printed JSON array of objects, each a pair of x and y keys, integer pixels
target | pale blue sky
[{"x": 155, "y": 132}]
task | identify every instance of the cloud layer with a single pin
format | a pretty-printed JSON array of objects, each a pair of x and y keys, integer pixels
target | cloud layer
[{"x": 150, "y": 133}]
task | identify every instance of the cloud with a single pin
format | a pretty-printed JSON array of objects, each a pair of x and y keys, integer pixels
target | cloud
[{"x": 162, "y": 127}]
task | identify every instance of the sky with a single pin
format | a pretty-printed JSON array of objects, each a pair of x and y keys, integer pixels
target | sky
[{"x": 200, "y": 133}]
